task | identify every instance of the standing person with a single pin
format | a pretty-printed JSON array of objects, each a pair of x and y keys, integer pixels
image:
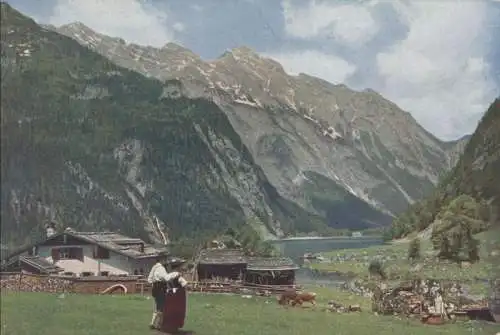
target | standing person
[
  {"x": 174, "y": 312},
  {"x": 158, "y": 277}
]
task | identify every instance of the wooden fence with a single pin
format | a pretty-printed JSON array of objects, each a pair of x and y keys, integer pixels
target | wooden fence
[{"x": 23, "y": 282}]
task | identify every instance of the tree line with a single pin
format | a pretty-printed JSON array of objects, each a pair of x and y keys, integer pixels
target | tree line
[{"x": 454, "y": 228}]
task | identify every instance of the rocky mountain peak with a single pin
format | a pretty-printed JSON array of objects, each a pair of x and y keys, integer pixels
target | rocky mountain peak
[
  {"x": 87, "y": 36},
  {"x": 179, "y": 49},
  {"x": 77, "y": 25},
  {"x": 241, "y": 51},
  {"x": 245, "y": 56}
]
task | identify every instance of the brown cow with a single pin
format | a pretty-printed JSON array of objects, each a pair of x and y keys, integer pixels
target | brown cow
[{"x": 297, "y": 298}]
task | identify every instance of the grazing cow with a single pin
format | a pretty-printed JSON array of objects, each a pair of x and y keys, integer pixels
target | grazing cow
[
  {"x": 433, "y": 320},
  {"x": 297, "y": 298},
  {"x": 286, "y": 297}
]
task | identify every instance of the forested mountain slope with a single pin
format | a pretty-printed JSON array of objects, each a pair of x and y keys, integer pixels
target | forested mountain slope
[{"x": 95, "y": 146}]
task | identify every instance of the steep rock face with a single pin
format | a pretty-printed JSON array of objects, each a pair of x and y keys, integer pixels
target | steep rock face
[
  {"x": 94, "y": 146},
  {"x": 456, "y": 148},
  {"x": 298, "y": 125}
]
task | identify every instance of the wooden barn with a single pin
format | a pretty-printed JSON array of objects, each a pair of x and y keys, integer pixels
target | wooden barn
[
  {"x": 233, "y": 264},
  {"x": 270, "y": 271},
  {"x": 221, "y": 263}
]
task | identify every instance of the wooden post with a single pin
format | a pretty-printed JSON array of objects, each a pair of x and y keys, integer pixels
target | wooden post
[{"x": 20, "y": 281}]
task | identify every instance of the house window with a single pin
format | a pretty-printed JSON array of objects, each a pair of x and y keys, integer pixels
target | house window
[
  {"x": 101, "y": 253},
  {"x": 67, "y": 253},
  {"x": 86, "y": 274},
  {"x": 105, "y": 273},
  {"x": 64, "y": 253},
  {"x": 33, "y": 251}
]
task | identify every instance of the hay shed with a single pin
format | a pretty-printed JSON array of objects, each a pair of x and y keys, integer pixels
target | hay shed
[
  {"x": 270, "y": 271},
  {"x": 221, "y": 264}
]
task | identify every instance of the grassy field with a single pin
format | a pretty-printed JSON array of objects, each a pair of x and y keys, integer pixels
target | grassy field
[
  {"x": 396, "y": 264},
  {"x": 49, "y": 314}
]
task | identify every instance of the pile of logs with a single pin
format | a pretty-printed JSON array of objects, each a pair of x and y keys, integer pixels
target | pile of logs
[
  {"x": 424, "y": 298},
  {"x": 28, "y": 283}
]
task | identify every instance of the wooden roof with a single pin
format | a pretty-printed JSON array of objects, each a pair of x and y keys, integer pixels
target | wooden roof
[
  {"x": 36, "y": 262},
  {"x": 271, "y": 264},
  {"x": 121, "y": 244},
  {"x": 222, "y": 256},
  {"x": 115, "y": 242},
  {"x": 236, "y": 256}
]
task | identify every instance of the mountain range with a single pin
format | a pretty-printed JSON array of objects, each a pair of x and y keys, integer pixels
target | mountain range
[
  {"x": 101, "y": 134},
  {"x": 320, "y": 128}
]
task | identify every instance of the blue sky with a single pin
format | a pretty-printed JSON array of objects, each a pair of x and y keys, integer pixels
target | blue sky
[{"x": 439, "y": 60}]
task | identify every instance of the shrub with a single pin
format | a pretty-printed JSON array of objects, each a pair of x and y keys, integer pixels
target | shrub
[
  {"x": 377, "y": 268},
  {"x": 414, "y": 249}
]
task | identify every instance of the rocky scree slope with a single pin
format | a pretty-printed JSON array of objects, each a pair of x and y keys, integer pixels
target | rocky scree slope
[
  {"x": 95, "y": 146},
  {"x": 321, "y": 145}
]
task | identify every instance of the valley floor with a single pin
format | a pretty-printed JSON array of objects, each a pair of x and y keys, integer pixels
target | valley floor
[
  {"x": 53, "y": 314},
  {"x": 397, "y": 267}
]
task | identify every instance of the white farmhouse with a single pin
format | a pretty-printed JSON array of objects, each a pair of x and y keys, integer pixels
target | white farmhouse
[{"x": 88, "y": 254}]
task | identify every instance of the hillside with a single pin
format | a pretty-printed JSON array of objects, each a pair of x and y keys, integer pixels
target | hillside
[
  {"x": 471, "y": 190},
  {"x": 300, "y": 129},
  {"x": 477, "y": 172},
  {"x": 94, "y": 146}
]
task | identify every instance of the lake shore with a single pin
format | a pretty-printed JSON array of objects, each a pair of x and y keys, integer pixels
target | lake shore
[
  {"x": 312, "y": 238},
  {"x": 354, "y": 263}
]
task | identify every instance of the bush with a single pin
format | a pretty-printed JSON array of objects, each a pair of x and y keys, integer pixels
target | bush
[
  {"x": 377, "y": 268},
  {"x": 414, "y": 249},
  {"x": 473, "y": 250},
  {"x": 445, "y": 248}
]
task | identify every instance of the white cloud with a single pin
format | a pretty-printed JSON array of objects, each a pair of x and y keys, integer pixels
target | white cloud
[
  {"x": 351, "y": 24},
  {"x": 178, "y": 26},
  {"x": 196, "y": 7},
  {"x": 133, "y": 20},
  {"x": 318, "y": 64},
  {"x": 438, "y": 72}
]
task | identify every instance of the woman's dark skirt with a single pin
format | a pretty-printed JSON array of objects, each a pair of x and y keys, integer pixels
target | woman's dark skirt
[{"x": 174, "y": 311}]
